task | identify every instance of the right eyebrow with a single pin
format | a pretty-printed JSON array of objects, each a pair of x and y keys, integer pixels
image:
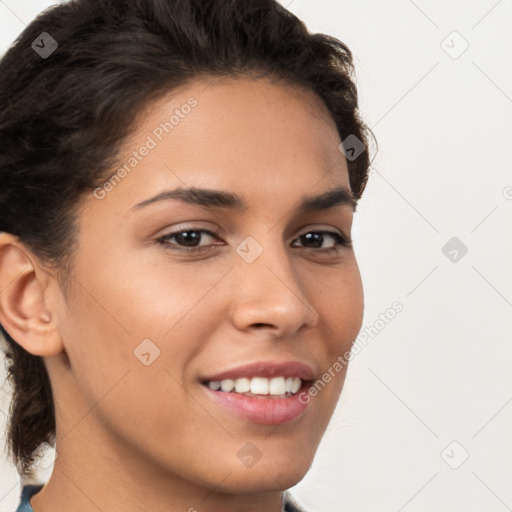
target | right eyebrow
[{"x": 200, "y": 196}]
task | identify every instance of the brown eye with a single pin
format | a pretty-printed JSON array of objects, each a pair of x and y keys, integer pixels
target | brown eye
[
  {"x": 315, "y": 239},
  {"x": 186, "y": 239}
]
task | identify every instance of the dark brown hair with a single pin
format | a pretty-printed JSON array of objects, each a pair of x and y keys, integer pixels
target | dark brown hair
[{"x": 64, "y": 117}]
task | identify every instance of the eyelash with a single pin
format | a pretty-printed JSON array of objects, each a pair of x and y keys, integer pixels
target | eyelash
[{"x": 341, "y": 240}]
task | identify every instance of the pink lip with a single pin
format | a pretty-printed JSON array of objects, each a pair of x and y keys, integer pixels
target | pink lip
[
  {"x": 264, "y": 410},
  {"x": 266, "y": 369}
]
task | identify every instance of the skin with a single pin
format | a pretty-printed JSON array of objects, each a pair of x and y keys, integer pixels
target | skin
[{"x": 135, "y": 438}]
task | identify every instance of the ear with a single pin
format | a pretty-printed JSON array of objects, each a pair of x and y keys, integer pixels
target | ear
[{"x": 24, "y": 311}]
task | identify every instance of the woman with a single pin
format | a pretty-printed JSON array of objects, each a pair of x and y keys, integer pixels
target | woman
[{"x": 178, "y": 184}]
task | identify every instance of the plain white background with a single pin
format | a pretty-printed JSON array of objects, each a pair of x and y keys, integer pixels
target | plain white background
[{"x": 425, "y": 417}]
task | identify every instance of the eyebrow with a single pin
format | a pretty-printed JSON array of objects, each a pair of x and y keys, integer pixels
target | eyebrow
[{"x": 221, "y": 199}]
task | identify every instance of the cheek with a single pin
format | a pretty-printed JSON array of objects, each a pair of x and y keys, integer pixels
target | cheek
[
  {"x": 107, "y": 339},
  {"x": 154, "y": 296},
  {"x": 344, "y": 311},
  {"x": 148, "y": 296},
  {"x": 337, "y": 295},
  {"x": 140, "y": 317}
]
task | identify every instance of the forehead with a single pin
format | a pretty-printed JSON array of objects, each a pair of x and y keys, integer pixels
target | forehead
[{"x": 254, "y": 136}]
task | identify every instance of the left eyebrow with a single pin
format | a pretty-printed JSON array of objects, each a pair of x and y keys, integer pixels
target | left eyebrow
[
  {"x": 338, "y": 196},
  {"x": 221, "y": 199}
]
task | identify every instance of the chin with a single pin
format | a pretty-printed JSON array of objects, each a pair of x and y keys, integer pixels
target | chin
[{"x": 267, "y": 477}]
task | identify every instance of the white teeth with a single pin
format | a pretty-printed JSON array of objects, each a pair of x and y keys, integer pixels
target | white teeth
[
  {"x": 227, "y": 385},
  {"x": 259, "y": 386},
  {"x": 296, "y": 384},
  {"x": 276, "y": 386},
  {"x": 242, "y": 385},
  {"x": 214, "y": 384}
]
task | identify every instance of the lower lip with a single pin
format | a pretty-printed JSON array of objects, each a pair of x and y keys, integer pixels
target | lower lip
[{"x": 268, "y": 411}]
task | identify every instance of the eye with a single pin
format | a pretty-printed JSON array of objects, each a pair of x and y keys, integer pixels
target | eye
[
  {"x": 187, "y": 239},
  {"x": 315, "y": 240}
]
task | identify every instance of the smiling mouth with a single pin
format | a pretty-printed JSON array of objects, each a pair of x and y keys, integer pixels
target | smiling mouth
[{"x": 259, "y": 387}]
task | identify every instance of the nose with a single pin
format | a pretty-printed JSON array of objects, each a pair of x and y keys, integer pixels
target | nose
[{"x": 269, "y": 295}]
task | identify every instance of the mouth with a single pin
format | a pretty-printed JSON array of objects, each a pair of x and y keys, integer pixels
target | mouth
[
  {"x": 264, "y": 393},
  {"x": 275, "y": 387}
]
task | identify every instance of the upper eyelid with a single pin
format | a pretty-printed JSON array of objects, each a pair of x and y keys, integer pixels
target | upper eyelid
[
  {"x": 216, "y": 234},
  {"x": 335, "y": 219}
]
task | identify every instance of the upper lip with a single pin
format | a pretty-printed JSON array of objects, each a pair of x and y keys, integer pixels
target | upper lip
[{"x": 266, "y": 369}]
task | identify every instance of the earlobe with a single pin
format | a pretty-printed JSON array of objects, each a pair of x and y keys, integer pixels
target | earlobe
[{"x": 24, "y": 313}]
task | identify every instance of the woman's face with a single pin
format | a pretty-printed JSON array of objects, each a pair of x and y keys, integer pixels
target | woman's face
[{"x": 168, "y": 294}]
